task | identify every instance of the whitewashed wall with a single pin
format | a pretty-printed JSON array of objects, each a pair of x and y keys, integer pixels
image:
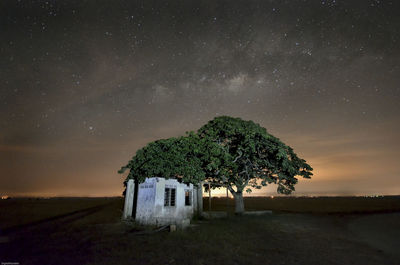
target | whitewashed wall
[
  {"x": 146, "y": 199},
  {"x": 151, "y": 209}
]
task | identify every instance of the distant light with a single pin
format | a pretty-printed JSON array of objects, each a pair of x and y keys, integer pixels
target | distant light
[
  {"x": 272, "y": 197},
  {"x": 5, "y": 197}
]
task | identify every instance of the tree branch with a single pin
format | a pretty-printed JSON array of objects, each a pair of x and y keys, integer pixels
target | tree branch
[{"x": 239, "y": 156}]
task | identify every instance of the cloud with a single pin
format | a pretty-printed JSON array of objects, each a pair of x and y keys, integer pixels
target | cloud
[
  {"x": 161, "y": 94},
  {"x": 237, "y": 83}
]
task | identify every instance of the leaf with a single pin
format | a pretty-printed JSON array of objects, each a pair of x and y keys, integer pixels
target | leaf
[{"x": 226, "y": 150}]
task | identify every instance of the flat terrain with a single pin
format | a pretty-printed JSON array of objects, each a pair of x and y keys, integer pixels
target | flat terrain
[
  {"x": 300, "y": 231},
  {"x": 330, "y": 205}
]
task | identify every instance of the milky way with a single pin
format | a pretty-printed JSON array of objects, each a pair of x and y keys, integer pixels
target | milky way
[{"x": 84, "y": 84}]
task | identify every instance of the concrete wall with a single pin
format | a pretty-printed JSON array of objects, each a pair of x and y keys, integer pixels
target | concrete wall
[
  {"x": 130, "y": 189},
  {"x": 151, "y": 209},
  {"x": 146, "y": 198},
  {"x": 172, "y": 214}
]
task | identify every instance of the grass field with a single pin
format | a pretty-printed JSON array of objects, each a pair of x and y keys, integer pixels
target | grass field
[
  {"x": 327, "y": 230},
  {"x": 310, "y": 204}
]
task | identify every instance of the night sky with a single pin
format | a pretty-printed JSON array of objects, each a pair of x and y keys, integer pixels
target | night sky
[{"x": 84, "y": 84}]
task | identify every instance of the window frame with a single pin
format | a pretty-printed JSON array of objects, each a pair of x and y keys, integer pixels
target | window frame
[
  {"x": 189, "y": 197},
  {"x": 169, "y": 197}
]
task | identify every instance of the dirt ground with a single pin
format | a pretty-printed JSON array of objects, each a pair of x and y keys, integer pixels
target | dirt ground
[{"x": 92, "y": 233}]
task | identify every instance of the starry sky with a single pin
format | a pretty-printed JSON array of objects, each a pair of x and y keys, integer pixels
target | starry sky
[{"x": 84, "y": 84}]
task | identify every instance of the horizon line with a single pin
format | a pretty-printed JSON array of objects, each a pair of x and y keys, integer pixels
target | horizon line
[{"x": 216, "y": 196}]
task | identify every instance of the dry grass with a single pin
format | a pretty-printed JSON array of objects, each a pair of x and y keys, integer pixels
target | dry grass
[
  {"x": 20, "y": 211},
  {"x": 89, "y": 231},
  {"x": 311, "y": 204}
]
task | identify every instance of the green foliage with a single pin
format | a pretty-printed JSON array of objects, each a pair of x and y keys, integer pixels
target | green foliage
[
  {"x": 225, "y": 151},
  {"x": 244, "y": 154},
  {"x": 167, "y": 158}
]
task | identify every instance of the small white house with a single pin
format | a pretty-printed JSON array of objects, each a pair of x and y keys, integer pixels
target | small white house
[{"x": 163, "y": 201}]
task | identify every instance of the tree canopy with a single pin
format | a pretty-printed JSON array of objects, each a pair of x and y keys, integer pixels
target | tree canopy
[
  {"x": 249, "y": 157},
  {"x": 251, "y": 153},
  {"x": 168, "y": 158},
  {"x": 227, "y": 152}
]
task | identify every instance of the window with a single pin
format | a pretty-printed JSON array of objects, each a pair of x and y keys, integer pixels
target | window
[
  {"x": 169, "y": 197},
  {"x": 188, "y": 197}
]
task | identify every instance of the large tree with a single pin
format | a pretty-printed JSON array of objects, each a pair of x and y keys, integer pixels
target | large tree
[
  {"x": 168, "y": 158},
  {"x": 227, "y": 152},
  {"x": 242, "y": 154}
]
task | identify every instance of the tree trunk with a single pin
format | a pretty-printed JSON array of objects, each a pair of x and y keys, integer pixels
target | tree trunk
[
  {"x": 239, "y": 204},
  {"x": 200, "y": 198}
]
